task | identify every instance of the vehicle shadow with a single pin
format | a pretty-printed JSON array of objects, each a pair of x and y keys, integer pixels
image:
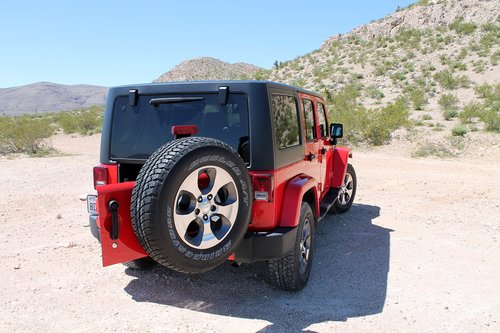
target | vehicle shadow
[{"x": 348, "y": 279}]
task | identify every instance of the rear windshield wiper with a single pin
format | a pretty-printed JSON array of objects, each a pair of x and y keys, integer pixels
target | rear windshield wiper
[{"x": 167, "y": 100}]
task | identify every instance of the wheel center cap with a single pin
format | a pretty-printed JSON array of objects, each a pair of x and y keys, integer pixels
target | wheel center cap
[{"x": 205, "y": 206}]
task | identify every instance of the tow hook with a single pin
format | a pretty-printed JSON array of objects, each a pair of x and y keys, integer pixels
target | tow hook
[{"x": 113, "y": 209}]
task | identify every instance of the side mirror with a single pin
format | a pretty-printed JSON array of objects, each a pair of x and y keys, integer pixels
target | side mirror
[{"x": 336, "y": 131}]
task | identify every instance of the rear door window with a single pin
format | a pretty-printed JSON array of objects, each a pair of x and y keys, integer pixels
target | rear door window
[
  {"x": 309, "y": 121},
  {"x": 286, "y": 120}
]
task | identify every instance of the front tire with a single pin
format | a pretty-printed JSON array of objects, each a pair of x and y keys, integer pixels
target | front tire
[
  {"x": 347, "y": 191},
  {"x": 292, "y": 271}
]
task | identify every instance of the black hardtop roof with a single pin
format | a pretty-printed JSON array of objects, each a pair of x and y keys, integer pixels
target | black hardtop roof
[{"x": 204, "y": 86}]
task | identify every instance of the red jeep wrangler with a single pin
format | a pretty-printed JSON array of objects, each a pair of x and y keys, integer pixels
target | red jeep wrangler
[{"x": 195, "y": 173}]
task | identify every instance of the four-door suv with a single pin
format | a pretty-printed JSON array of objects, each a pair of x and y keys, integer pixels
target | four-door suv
[{"x": 195, "y": 173}]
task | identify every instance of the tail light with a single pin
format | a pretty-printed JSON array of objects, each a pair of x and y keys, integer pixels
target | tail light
[
  {"x": 100, "y": 176},
  {"x": 263, "y": 187}
]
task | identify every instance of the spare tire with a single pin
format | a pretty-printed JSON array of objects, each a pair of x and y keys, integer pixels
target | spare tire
[{"x": 191, "y": 204}]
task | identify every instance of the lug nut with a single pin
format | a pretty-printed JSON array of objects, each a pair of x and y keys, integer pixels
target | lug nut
[
  {"x": 209, "y": 197},
  {"x": 200, "y": 199},
  {"x": 205, "y": 217},
  {"x": 213, "y": 208},
  {"x": 197, "y": 211}
]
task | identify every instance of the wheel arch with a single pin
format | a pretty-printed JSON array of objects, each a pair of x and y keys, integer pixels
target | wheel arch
[
  {"x": 340, "y": 160},
  {"x": 300, "y": 188}
]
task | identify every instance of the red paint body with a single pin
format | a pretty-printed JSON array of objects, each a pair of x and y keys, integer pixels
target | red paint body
[
  {"x": 291, "y": 183},
  {"x": 126, "y": 247}
]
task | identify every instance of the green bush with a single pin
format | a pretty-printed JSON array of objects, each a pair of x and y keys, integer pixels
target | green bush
[
  {"x": 86, "y": 121},
  {"x": 461, "y": 27},
  {"x": 426, "y": 117},
  {"x": 470, "y": 112},
  {"x": 492, "y": 121},
  {"x": 448, "y": 80},
  {"x": 25, "y": 134},
  {"x": 418, "y": 99},
  {"x": 459, "y": 130},
  {"x": 448, "y": 101},
  {"x": 484, "y": 90},
  {"x": 450, "y": 113}
]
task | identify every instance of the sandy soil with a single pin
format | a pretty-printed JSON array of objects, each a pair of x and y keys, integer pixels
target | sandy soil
[{"x": 418, "y": 251}]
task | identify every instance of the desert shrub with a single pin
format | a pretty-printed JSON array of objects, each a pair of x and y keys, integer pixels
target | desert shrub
[
  {"x": 462, "y": 27},
  {"x": 25, "y": 134},
  {"x": 418, "y": 99},
  {"x": 484, "y": 90},
  {"x": 450, "y": 113},
  {"x": 471, "y": 111},
  {"x": 374, "y": 92},
  {"x": 382, "y": 122},
  {"x": 448, "y": 101},
  {"x": 449, "y": 148},
  {"x": 491, "y": 120},
  {"x": 366, "y": 125},
  {"x": 426, "y": 117},
  {"x": 447, "y": 80},
  {"x": 459, "y": 130},
  {"x": 86, "y": 121}
]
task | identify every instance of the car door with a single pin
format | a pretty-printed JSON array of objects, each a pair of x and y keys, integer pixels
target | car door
[{"x": 312, "y": 143}]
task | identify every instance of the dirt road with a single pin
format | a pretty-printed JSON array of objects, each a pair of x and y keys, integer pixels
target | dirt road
[{"x": 418, "y": 251}]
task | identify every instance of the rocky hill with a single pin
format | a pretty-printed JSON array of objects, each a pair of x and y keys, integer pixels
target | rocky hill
[
  {"x": 208, "y": 69},
  {"x": 49, "y": 97},
  {"x": 442, "y": 56}
]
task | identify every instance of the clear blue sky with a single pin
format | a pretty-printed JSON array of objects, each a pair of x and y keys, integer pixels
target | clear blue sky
[{"x": 112, "y": 42}]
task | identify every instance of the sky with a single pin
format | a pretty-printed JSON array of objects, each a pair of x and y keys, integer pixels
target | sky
[{"x": 110, "y": 42}]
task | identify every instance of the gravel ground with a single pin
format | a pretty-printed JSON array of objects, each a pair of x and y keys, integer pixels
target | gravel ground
[{"x": 418, "y": 251}]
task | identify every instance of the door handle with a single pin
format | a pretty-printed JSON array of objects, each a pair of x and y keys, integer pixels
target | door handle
[{"x": 113, "y": 209}]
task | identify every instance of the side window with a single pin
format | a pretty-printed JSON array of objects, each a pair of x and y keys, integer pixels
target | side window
[
  {"x": 309, "y": 120},
  {"x": 286, "y": 121},
  {"x": 322, "y": 120}
]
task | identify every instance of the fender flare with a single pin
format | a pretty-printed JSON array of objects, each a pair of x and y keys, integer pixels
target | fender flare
[
  {"x": 340, "y": 160},
  {"x": 295, "y": 190}
]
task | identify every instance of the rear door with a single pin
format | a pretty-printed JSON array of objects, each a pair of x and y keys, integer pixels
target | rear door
[
  {"x": 118, "y": 241},
  {"x": 311, "y": 139}
]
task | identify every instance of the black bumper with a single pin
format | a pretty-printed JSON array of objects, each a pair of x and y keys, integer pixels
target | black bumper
[
  {"x": 94, "y": 229},
  {"x": 258, "y": 246}
]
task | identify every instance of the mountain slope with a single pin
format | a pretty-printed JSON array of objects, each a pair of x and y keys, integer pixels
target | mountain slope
[
  {"x": 405, "y": 47},
  {"x": 440, "y": 56},
  {"x": 207, "y": 69},
  {"x": 49, "y": 97}
]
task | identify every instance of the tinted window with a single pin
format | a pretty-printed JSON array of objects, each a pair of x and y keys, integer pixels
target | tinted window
[
  {"x": 322, "y": 120},
  {"x": 138, "y": 131},
  {"x": 286, "y": 121},
  {"x": 309, "y": 120}
]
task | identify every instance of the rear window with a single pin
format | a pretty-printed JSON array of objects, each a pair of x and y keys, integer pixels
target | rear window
[{"x": 137, "y": 131}]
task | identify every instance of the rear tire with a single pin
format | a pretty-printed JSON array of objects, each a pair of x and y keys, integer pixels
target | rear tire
[{"x": 291, "y": 272}]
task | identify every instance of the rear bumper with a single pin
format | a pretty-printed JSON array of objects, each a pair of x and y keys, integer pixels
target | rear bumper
[
  {"x": 255, "y": 246},
  {"x": 94, "y": 229},
  {"x": 259, "y": 246}
]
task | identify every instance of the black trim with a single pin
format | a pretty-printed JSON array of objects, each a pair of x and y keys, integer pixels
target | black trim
[{"x": 259, "y": 246}]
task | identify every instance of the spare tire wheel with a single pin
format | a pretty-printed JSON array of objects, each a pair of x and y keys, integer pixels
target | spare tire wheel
[{"x": 191, "y": 204}]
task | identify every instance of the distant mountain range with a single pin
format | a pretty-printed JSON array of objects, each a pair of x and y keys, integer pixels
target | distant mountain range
[
  {"x": 49, "y": 97},
  {"x": 52, "y": 97}
]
